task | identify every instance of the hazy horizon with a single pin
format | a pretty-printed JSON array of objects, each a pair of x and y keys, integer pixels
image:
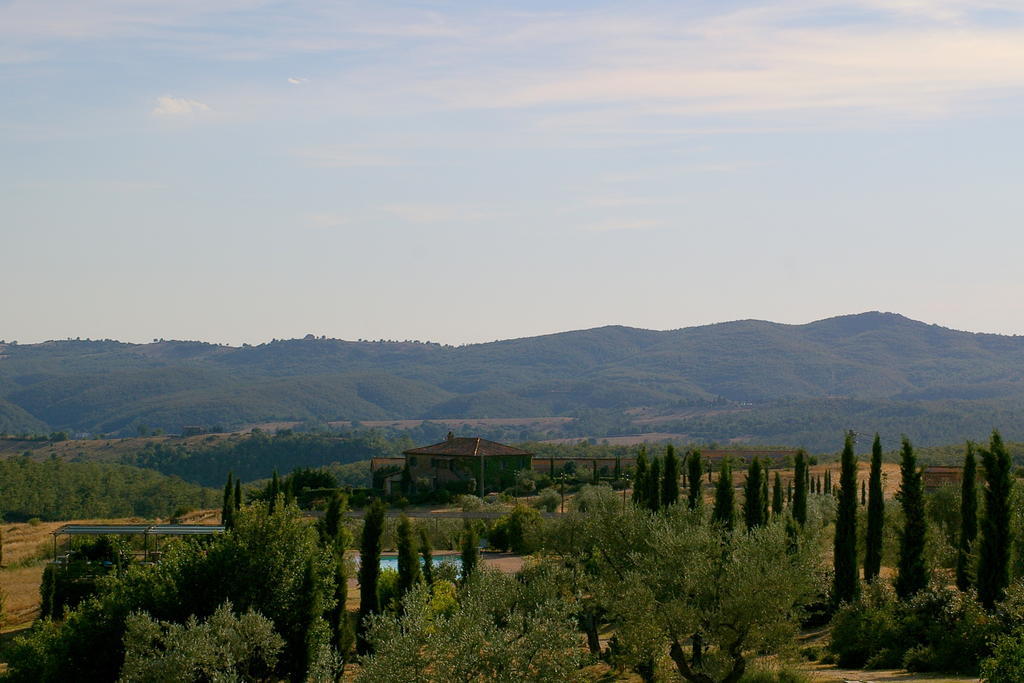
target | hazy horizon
[
  {"x": 241, "y": 170},
  {"x": 470, "y": 343}
]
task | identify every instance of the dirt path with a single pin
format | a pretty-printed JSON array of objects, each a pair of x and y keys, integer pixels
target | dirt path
[{"x": 824, "y": 675}]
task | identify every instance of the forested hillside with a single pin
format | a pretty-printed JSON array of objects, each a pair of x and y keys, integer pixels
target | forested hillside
[
  {"x": 57, "y": 490},
  {"x": 748, "y": 380}
]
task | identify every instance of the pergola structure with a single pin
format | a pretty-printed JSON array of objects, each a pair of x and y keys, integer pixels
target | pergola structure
[{"x": 145, "y": 530}]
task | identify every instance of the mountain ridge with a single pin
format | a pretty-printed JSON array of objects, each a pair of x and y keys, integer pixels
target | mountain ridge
[{"x": 613, "y": 370}]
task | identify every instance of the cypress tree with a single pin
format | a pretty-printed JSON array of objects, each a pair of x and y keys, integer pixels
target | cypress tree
[
  {"x": 238, "y": 495},
  {"x": 845, "y": 558},
  {"x": 764, "y": 494},
  {"x": 332, "y": 518},
  {"x": 618, "y": 468},
  {"x": 470, "y": 550},
  {"x": 876, "y": 515},
  {"x": 405, "y": 481},
  {"x": 640, "y": 478},
  {"x": 912, "y": 574},
  {"x": 968, "y": 520},
  {"x": 753, "y": 506},
  {"x": 408, "y": 558},
  {"x": 369, "y": 570},
  {"x": 311, "y": 610},
  {"x": 994, "y": 548},
  {"x": 227, "y": 510},
  {"x": 863, "y": 492},
  {"x": 800, "y": 488},
  {"x": 828, "y": 482},
  {"x": 789, "y": 493},
  {"x": 694, "y": 465},
  {"x": 341, "y": 625},
  {"x": 288, "y": 487},
  {"x": 724, "y": 512},
  {"x": 777, "y": 495},
  {"x": 275, "y": 491},
  {"x": 670, "y": 482},
  {"x": 653, "y": 494},
  {"x": 428, "y": 557}
]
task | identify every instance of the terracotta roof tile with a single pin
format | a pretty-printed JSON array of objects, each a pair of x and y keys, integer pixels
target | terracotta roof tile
[{"x": 467, "y": 446}]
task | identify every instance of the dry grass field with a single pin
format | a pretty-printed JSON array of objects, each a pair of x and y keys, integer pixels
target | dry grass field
[{"x": 27, "y": 548}]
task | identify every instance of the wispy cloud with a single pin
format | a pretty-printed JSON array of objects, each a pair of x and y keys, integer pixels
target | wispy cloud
[
  {"x": 297, "y": 81},
  {"x": 170, "y": 106}
]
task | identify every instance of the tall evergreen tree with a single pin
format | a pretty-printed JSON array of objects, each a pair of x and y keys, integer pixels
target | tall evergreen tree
[
  {"x": 332, "y": 518},
  {"x": 994, "y": 547},
  {"x": 670, "y": 478},
  {"x": 408, "y": 558},
  {"x": 238, "y": 495},
  {"x": 777, "y": 505},
  {"x": 311, "y": 611},
  {"x": 828, "y": 482},
  {"x": 227, "y": 510},
  {"x": 470, "y": 550},
  {"x": 765, "y": 502},
  {"x": 789, "y": 493},
  {"x": 753, "y": 506},
  {"x": 724, "y": 511},
  {"x": 341, "y": 625},
  {"x": 912, "y": 573},
  {"x": 694, "y": 467},
  {"x": 800, "y": 488},
  {"x": 405, "y": 481},
  {"x": 288, "y": 488},
  {"x": 369, "y": 570},
  {"x": 863, "y": 492},
  {"x": 846, "y": 586},
  {"x": 618, "y": 468},
  {"x": 653, "y": 495},
  {"x": 876, "y": 515},
  {"x": 640, "y": 478},
  {"x": 968, "y": 520},
  {"x": 275, "y": 491},
  {"x": 428, "y": 557}
]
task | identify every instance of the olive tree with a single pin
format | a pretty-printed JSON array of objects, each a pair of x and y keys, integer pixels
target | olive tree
[
  {"x": 668, "y": 581},
  {"x": 499, "y": 629},
  {"x": 222, "y": 648}
]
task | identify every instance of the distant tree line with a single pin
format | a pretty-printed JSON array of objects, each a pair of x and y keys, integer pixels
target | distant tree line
[{"x": 58, "y": 490}]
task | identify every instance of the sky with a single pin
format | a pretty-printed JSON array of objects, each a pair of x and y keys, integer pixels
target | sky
[{"x": 242, "y": 170}]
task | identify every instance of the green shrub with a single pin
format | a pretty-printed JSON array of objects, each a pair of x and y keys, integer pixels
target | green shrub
[
  {"x": 517, "y": 531},
  {"x": 548, "y": 500},
  {"x": 1006, "y": 665},
  {"x": 865, "y": 628},
  {"x": 938, "y": 629}
]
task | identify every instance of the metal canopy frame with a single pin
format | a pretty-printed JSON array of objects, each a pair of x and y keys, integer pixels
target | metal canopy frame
[{"x": 144, "y": 530}]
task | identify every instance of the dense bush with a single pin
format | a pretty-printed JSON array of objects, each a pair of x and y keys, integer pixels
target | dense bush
[
  {"x": 261, "y": 565},
  {"x": 1006, "y": 665},
  {"x": 938, "y": 629},
  {"x": 548, "y": 500},
  {"x": 518, "y": 531}
]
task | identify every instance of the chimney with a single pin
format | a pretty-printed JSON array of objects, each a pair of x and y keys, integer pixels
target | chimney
[{"x": 451, "y": 436}]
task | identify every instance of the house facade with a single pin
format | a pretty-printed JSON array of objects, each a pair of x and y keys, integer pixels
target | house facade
[{"x": 477, "y": 464}]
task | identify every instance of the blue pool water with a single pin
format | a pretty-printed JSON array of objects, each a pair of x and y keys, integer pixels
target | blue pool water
[{"x": 392, "y": 562}]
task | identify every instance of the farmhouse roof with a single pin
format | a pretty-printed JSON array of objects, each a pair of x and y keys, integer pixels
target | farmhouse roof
[{"x": 468, "y": 447}]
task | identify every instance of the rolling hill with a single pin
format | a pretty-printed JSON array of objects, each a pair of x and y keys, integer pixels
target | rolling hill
[{"x": 747, "y": 380}]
